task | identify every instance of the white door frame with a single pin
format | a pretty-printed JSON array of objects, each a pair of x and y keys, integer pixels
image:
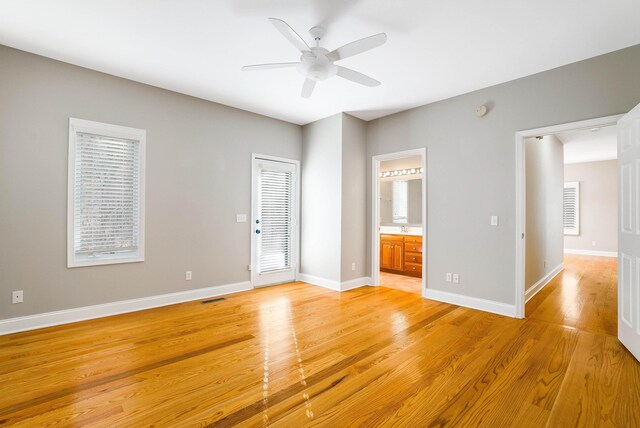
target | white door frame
[
  {"x": 375, "y": 212},
  {"x": 295, "y": 249},
  {"x": 521, "y": 189}
]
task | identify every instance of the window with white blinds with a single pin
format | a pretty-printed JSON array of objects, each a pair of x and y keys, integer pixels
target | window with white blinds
[
  {"x": 400, "y": 208},
  {"x": 571, "y": 208},
  {"x": 275, "y": 210},
  {"x": 105, "y": 194}
]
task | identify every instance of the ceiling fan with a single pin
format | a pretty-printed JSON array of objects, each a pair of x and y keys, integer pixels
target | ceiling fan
[{"x": 317, "y": 63}]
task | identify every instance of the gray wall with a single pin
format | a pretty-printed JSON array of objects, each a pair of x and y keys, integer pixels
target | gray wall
[
  {"x": 598, "y": 205},
  {"x": 334, "y": 198},
  {"x": 471, "y": 161},
  {"x": 198, "y": 177},
  {"x": 354, "y": 198},
  {"x": 321, "y": 198},
  {"x": 544, "y": 183},
  {"x": 198, "y": 171},
  {"x": 414, "y": 201}
]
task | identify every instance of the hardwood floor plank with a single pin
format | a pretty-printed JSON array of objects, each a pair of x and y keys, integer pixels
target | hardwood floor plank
[
  {"x": 594, "y": 388},
  {"x": 553, "y": 361},
  {"x": 299, "y": 355},
  {"x": 78, "y": 389},
  {"x": 434, "y": 370},
  {"x": 247, "y": 412}
]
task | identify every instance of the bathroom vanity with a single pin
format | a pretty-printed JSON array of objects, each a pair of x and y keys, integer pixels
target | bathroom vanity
[{"x": 401, "y": 254}]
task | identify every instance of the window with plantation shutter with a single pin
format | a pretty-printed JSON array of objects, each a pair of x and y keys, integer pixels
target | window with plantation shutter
[
  {"x": 106, "y": 194},
  {"x": 571, "y": 208},
  {"x": 276, "y": 209}
]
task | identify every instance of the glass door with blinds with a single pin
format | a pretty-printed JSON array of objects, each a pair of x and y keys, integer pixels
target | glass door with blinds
[{"x": 274, "y": 221}]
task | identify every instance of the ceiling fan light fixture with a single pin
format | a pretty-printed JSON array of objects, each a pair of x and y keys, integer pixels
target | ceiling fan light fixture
[
  {"x": 317, "y": 63},
  {"x": 314, "y": 65}
]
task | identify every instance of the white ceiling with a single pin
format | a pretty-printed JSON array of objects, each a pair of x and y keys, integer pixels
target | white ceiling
[
  {"x": 588, "y": 146},
  {"x": 436, "y": 49}
]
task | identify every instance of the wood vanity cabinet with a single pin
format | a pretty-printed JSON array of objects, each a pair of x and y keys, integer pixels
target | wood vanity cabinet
[
  {"x": 391, "y": 252},
  {"x": 401, "y": 254}
]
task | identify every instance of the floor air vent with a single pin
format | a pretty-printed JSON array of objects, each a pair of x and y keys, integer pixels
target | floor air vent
[{"x": 204, "y": 302}]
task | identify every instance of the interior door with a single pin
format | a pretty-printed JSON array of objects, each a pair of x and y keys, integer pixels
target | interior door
[
  {"x": 629, "y": 231},
  {"x": 274, "y": 222}
]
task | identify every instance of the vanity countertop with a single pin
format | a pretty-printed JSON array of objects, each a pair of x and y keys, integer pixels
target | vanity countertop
[{"x": 399, "y": 230}]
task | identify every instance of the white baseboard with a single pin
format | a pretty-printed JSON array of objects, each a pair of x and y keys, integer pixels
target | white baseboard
[
  {"x": 48, "y": 319},
  {"x": 334, "y": 285},
  {"x": 471, "y": 302},
  {"x": 322, "y": 282},
  {"x": 591, "y": 253},
  {"x": 355, "y": 283},
  {"x": 535, "y": 288}
]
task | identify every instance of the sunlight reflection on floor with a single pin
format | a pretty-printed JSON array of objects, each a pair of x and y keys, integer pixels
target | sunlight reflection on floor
[{"x": 274, "y": 316}]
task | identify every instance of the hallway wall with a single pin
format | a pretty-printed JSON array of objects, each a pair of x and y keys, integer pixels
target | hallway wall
[
  {"x": 598, "y": 206},
  {"x": 545, "y": 182}
]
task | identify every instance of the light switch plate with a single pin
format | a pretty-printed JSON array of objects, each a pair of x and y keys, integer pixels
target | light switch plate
[
  {"x": 448, "y": 276},
  {"x": 241, "y": 218},
  {"x": 188, "y": 275},
  {"x": 494, "y": 220}
]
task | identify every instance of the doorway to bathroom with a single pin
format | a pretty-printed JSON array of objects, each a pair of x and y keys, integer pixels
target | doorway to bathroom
[{"x": 399, "y": 235}]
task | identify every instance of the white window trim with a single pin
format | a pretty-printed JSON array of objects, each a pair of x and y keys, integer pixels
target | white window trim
[
  {"x": 574, "y": 231},
  {"x": 80, "y": 125}
]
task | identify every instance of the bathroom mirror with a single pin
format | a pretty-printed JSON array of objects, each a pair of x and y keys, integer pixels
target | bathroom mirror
[{"x": 401, "y": 202}]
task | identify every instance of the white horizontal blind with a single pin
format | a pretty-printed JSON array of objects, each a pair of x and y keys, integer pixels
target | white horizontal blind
[
  {"x": 571, "y": 208},
  {"x": 106, "y": 194},
  {"x": 275, "y": 211},
  {"x": 400, "y": 198}
]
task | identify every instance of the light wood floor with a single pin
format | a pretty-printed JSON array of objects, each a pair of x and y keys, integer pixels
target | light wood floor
[
  {"x": 406, "y": 283},
  {"x": 297, "y": 355}
]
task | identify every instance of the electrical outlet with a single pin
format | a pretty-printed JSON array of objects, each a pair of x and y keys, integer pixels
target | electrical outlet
[
  {"x": 456, "y": 278},
  {"x": 17, "y": 297},
  {"x": 449, "y": 277},
  {"x": 249, "y": 268},
  {"x": 353, "y": 266},
  {"x": 188, "y": 275},
  {"x": 241, "y": 218},
  {"x": 494, "y": 220}
]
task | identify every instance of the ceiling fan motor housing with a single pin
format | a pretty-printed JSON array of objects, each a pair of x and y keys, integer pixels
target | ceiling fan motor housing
[{"x": 315, "y": 65}]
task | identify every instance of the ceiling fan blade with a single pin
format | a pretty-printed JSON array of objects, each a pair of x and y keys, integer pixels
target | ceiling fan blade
[
  {"x": 268, "y": 66},
  {"x": 307, "y": 88},
  {"x": 288, "y": 32},
  {"x": 357, "y": 77},
  {"x": 359, "y": 46}
]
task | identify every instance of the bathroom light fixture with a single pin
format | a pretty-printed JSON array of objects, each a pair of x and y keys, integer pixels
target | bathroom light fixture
[{"x": 398, "y": 172}]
